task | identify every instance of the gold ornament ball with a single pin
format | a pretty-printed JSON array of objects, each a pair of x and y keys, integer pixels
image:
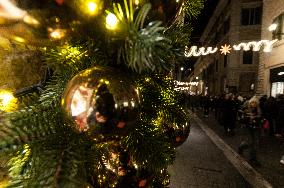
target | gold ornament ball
[{"x": 101, "y": 100}]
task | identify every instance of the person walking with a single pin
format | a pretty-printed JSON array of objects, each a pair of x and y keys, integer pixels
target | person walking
[
  {"x": 229, "y": 114},
  {"x": 253, "y": 114}
]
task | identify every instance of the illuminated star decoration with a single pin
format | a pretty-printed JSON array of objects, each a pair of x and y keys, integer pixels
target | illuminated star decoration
[{"x": 225, "y": 49}]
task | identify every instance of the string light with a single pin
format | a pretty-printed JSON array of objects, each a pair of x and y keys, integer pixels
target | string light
[
  {"x": 267, "y": 45},
  {"x": 226, "y": 49},
  {"x": 111, "y": 21},
  {"x": 178, "y": 83},
  {"x": 194, "y": 51}
]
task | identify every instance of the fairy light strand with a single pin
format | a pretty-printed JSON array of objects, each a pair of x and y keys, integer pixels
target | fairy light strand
[{"x": 267, "y": 46}]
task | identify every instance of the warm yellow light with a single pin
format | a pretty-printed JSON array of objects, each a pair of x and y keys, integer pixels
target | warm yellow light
[
  {"x": 92, "y": 7},
  {"x": 111, "y": 21},
  {"x": 136, "y": 2},
  {"x": 57, "y": 33},
  {"x": 272, "y": 27},
  {"x": 7, "y": 101},
  {"x": 19, "y": 39},
  {"x": 106, "y": 82},
  {"x": 30, "y": 20}
]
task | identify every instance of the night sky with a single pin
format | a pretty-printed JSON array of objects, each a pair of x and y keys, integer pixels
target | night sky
[{"x": 199, "y": 24}]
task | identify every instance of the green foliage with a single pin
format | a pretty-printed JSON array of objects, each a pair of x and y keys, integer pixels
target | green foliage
[
  {"x": 192, "y": 8},
  {"x": 145, "y": 48},
  {"x": 47, "y": 150}
]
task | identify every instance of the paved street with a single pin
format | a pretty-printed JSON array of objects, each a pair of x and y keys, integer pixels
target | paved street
[
  {"x": 200, "y": 164},
  {"x": 212, "y": 161}
]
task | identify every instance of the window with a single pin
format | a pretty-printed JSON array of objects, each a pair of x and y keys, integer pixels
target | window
[
  {"x": 251, "y": 16},
  {"x": 225, "y": 60},
  {"x": 278, "y": 33},
  {"x": 277, "y": 88},
  {"x": 247, "y": 57}
]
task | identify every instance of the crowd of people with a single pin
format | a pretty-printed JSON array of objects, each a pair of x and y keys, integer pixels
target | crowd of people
[{"x": 254, "y": 113}]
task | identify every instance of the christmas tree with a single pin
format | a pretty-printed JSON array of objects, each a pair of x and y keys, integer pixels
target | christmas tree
[{"x": 105, "y": 113}]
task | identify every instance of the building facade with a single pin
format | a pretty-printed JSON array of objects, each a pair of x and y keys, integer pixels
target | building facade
[
  {"x": 233, "y": 22},
  {"x": 271, "y": 66}
]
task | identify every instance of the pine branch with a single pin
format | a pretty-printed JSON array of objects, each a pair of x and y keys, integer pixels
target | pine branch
[{"x": 192, "y": 8}]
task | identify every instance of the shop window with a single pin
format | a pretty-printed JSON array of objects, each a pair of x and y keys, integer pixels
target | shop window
[
  {"x": 277, "y": 89},
  {"x": 247, "y": 57},
  {"x": 251, "y": 16},
  {"x": 278, "y": 33}
]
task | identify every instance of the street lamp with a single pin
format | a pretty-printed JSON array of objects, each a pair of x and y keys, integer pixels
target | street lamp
[{"x": 180, "y": 73}]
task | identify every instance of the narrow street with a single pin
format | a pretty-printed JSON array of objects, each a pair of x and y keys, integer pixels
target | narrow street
[
  {"x": 209, "y": 159},
  {"x": 200, "y": 164}
]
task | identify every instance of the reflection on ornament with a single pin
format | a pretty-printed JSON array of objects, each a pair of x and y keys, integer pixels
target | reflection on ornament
[
  {"x": 177, "y": 133},
  {"x": 225, "y": 49},
  {"x": 267, "y": 45},
  {"x": 57, "y": 33},
  {"x": 194, "y": 51},
  {"x": 101, "y": 100}
]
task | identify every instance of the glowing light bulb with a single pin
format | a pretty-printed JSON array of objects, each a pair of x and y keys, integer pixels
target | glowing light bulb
[
  {"x": 19, "y": 39},
  {"x": 57, "y": 33},
  {"x": 7, "y": 100},
  {"x": 272, "y": 27},
  {"x": 92, "y": 7},
  {"x": 30, "y": 20},
  {"x": 111, "y": 21}
]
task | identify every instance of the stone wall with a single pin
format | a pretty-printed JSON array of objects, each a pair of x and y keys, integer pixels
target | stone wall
[{"x": 271, "y": 9}]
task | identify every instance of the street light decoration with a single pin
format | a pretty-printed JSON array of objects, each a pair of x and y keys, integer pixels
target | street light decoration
[{"x": 225, "y": 49}]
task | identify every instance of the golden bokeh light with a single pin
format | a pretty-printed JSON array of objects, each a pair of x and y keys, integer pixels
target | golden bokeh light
[
  {"x": 92, "y": 7},
  {"x": 7, "y": 101},
  {"x": 111, "y": 21}
]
